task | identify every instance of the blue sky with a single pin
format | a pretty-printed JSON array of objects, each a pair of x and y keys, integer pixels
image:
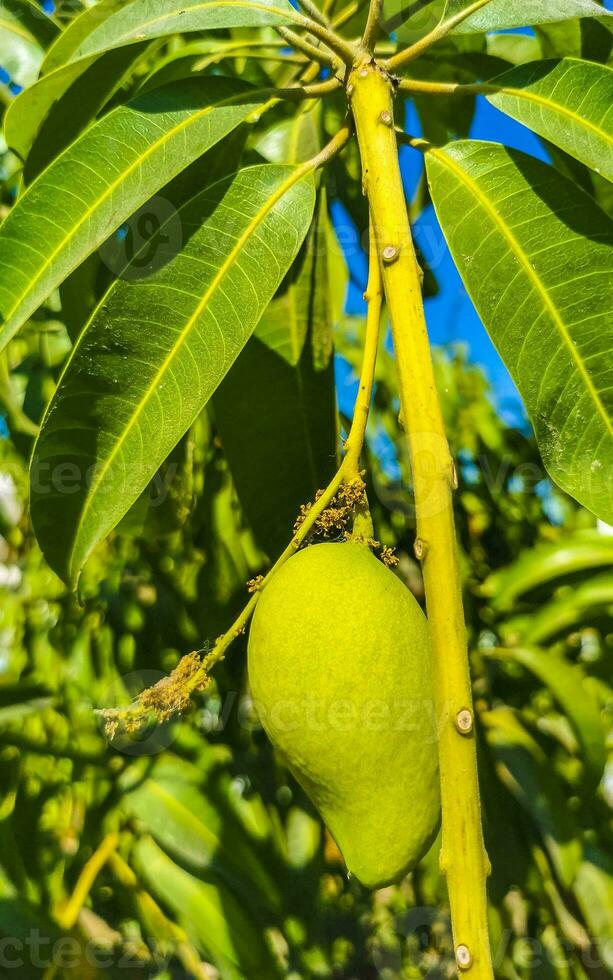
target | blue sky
[{"x": 450, "y": 315}]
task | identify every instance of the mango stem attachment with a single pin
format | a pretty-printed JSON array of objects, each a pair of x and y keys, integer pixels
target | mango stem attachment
[{"x": 463, "y": 859}]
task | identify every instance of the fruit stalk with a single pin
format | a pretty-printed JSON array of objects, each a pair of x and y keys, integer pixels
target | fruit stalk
[{"x": 463, "y": 859}]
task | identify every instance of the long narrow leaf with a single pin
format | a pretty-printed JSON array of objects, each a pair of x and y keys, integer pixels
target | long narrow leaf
[
  {"x": 535, "y": 254},
  {"x": 156, "y": 349},
  {"x": 100, "y": 180},
  {"x": 146, "y": 19},
  {"x": 569, "y": 102}
]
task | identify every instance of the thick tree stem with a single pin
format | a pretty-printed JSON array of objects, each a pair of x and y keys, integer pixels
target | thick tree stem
[{"x": 463, "y": 858}]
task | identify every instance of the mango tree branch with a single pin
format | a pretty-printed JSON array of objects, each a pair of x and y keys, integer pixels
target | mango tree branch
[
  {"x": 327, "y": 35},
  {"x": 463, "y": 858},
  {"x": 314, "y": 53},
  {"x": 439, "y": 32}
]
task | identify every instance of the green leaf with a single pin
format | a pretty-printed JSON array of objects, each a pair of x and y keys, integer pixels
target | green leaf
[
  {"x": 575, "y": 607},
  {"x": 593, "y": 888},
  {"x": 535, "y": 254},
  {"x": 276, "y": 408},
  {"x": 73, "y": 109},
  {"x": 500, "y": 14},
  {"x": 523, "y": 767},
  {"x": 550, "y": 97},
  {"x": 567, "y": 684},
  {"x": 210, "y": 914},
  {"x": 20, "y": 52},
  {"x": 177, "y": 810},
  {"x": 146, "y": 19},
  {"x": 69, "y": 40},
  {"x": 102, "y": 179},
  {"x": 539, "y": 566},
  {"x": 157, "y": 348}
]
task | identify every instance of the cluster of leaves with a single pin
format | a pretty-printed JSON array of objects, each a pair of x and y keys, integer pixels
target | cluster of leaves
[{"x": 191, "y": 851}]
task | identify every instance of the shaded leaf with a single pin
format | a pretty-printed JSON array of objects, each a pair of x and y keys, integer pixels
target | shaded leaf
[
  {"x": 524, "y": 769},
  {"x": 210, "y": 914},
  {"x": 550, "y": 97},
  {"x": 129, "y": 392},
  {"x": 103, "y": 178},
  {"x": 276, "y": 409},
  {"x": 566, "y": 683},
  {"x": 575, "y": 607},
  {"x": 535, "y": 254}
]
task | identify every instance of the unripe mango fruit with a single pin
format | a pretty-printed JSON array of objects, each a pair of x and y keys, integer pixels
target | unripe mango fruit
[{"x": 339, "y": 669}]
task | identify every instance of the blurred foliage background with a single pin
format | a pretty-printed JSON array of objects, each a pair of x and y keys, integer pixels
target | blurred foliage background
[{"x": 190, "y": 851}]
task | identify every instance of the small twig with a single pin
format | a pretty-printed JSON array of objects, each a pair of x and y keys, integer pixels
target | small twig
[
  {"x": 327, "y": 35},
  {"x": 348, "y": 12},
  {"x": 310, "y": 50},
  {"x": 313, "y": 11},
  {"x": 373, "y": 26},
  {"x": 439, "y": 32}
]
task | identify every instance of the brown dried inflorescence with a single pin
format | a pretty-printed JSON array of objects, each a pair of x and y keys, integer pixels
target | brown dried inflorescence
[{"x": 339, "y": 513}]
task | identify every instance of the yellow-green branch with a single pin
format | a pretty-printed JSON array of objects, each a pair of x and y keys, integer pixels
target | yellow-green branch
[
  {"x": 439, "y": 32},
  {"x": 463, "y": 859}
]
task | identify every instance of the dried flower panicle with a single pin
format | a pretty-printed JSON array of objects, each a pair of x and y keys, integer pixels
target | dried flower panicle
[
  {"x": 335, "y": 518},
  {"x": 170, "y": 696}
]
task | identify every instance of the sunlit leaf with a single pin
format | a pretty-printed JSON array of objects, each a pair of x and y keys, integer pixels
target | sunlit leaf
[
  {"x": 146, "y": 19},
  {"x": 539, "y": 566},
  {"x": 156, "y": 349},
  {"x": 102, "y": 179},
  {"x": 535, "y": 255},
  {"x": 550, "y": 98},
  {"x": 502, "y": 14}
]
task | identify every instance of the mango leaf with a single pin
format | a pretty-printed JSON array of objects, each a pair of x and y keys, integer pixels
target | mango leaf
[
  {"x": 20, "y": 52},
  {"x": 535, "y": 254},
  {"x": 177, "y": 810},
  {"x": 524, "y": 769},
  {"x": 42, "y": 26},
  {"x": 566, "y": 683},
  {"x": 575, "y": 607},
  {"x": 103, "y": 178},
  {"x": 500, "y": 14},
  {"x": 276, "y": 408},
  {"x": 545, "y": 563},
  {"x": 550, "y": 98},
  {"x": 73, "y": 35},
  {"x": 593, "y": 889},
  {"x": 146, "y": 19},
  {"x": 157, "y": 348},
  {"x": 210, "y": 914},
  {"x": 74, "y": 108}
]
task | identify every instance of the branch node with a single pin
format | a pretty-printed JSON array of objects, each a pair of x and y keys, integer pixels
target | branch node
[
  {"x": 386, "y": 118},
  {"x": 390, "y": 253},
  {"x": 463, "y": 957},
  {"x": 464, "y": 721},
  {"x": 420, "y": 548}
]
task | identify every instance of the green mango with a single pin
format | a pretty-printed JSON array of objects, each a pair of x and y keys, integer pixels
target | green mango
[{"x": 340, "y": 674}]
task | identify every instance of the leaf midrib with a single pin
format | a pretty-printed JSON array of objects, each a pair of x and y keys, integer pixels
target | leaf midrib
[
  {"x": 195, "y": 117},
  {"x": 297, "y": 175},
  {"x": 521, "y": 93},
  {"x": 532, "y": 274},
  {"x": 144, "y": 25}
]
